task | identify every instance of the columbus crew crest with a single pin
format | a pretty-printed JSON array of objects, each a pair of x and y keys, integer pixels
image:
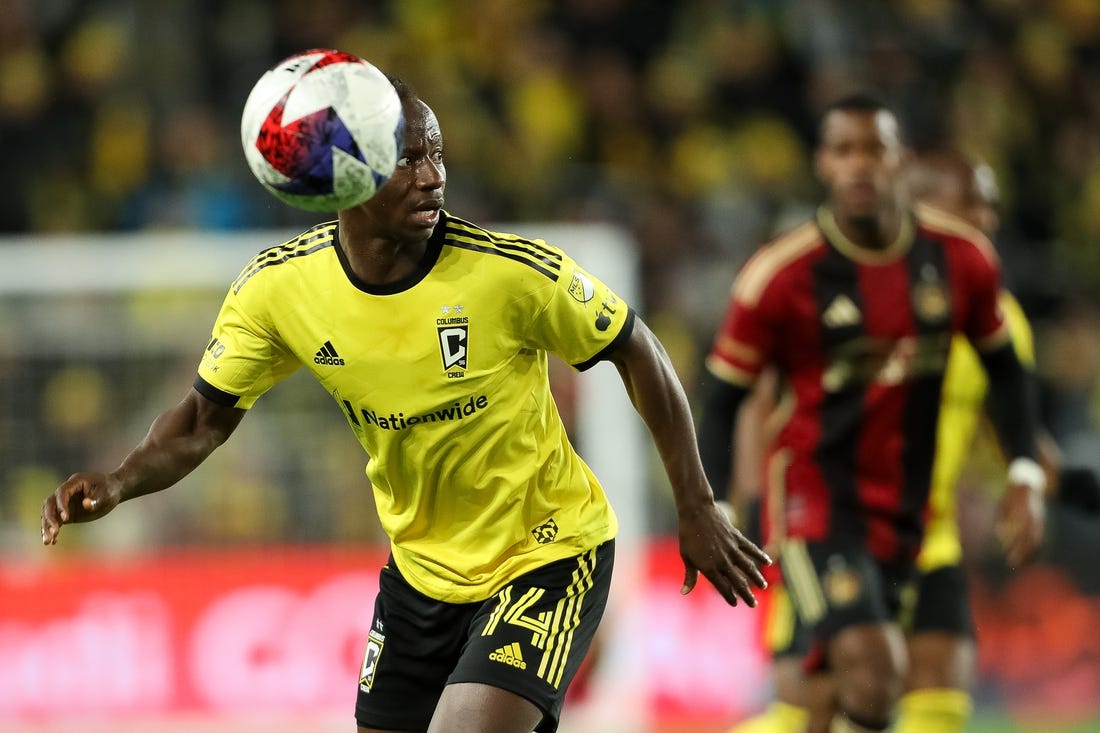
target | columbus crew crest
[
  {"x": 376, "y": 641},
  {"x": 453, "y": 330}
]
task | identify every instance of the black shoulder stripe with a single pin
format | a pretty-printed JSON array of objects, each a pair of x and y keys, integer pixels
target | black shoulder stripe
[
  {"x": 607, "y": 351},
  {"x": 313, "y": 235},
  {"x": 468, "y": 232},
  {"x": 485, "y": 235},
  {"x": 308, "y": 237},
  {"x": 278, "y": 258},
  {"x": 491, "y": 250}
]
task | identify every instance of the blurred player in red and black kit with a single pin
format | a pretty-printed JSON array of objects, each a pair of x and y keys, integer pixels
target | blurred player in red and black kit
[
  {"x": 856, "y": 310},
  {"x": 936, "y": 617}
]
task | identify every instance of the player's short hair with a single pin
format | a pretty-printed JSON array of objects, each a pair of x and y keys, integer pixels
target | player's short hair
[
  {"x": 404, "y": 91},
  {"x": 861, "y": 101},
  {"x": 856, "y": 102}
]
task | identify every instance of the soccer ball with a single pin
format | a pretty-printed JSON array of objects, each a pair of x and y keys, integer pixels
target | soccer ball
[{"x": 322, "y": 130}]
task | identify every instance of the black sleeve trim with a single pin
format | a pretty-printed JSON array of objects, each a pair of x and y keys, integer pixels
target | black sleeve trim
[
  {"x": 619, "y": 340},
  {"x": 215, "y": 395}
]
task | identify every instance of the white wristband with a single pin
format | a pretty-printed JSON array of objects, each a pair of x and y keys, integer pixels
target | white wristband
[{"x": 1027, "y": 472}]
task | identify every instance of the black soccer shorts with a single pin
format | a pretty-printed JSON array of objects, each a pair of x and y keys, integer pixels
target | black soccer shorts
[
  {"x": 834, "y": 586},
  {"x": 943, "y": 603},
  {"x": 529, "y": 638}
]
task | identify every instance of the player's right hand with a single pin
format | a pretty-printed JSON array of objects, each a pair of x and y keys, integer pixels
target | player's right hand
[
  {"x": 1021, "y": 523},
  {"x": 80, "y": 498},
  {"x": 712, "y": 546}
]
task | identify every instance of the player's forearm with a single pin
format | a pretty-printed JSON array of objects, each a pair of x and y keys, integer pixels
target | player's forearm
[
  {"x": 177, "y": 442},
  {"x": 659, "y": 398}
]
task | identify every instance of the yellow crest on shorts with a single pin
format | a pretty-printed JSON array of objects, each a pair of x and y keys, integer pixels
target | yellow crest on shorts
[{"x": 841, "y": 584}]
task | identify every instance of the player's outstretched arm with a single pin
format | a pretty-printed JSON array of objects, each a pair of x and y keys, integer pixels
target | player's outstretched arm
[
  {"x": 177, "y": 442},
  {"x": 1014, "y": 411},
  {"x": 709, "y": 544}
]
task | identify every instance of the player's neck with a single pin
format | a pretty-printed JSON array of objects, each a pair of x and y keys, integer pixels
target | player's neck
[
  {"x": 871, "y": 232},
  {"x": 377, "y": 259}
]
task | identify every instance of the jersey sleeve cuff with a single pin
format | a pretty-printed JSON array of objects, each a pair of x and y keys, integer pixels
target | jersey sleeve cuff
[
  {"x": 619, "y": 340},
  {"x": 215, "y": 395}
]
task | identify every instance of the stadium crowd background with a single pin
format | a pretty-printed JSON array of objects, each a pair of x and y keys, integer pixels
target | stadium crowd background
[{"x": 691, "y": 124}]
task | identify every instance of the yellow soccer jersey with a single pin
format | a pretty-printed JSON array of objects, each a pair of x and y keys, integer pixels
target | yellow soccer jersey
[
  {"x": 962, "y": 404},
  {"x": 443, "y": 378}
]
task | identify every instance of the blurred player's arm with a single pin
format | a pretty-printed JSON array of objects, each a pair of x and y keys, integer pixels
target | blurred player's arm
[
  {"x": 177, "y": 442},
  {"x": 723, "y": 405},
  {"x": 737, "y": 397},
  {"x": 1013, "y": 410},
  {"x": 1023, "y": 341},
  {"x": 709, "y": 544},
  {"x": 1013, "y": 404}
]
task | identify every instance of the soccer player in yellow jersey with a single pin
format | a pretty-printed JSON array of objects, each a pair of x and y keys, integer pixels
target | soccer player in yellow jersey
[
  {"x": 942, "y": 652},
  {"x": 940, "y": 631},
  {"x": 432, "y": 335}
]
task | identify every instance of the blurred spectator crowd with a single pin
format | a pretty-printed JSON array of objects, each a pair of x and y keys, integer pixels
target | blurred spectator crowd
[{"x": 690, "y": 123}]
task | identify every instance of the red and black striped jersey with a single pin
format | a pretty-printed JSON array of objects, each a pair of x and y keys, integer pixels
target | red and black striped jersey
[{"x": 861, "y": 337}]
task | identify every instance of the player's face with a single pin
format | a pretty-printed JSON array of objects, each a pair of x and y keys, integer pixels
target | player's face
[
  {"x": 408, "y": 205},
  {"x": 859, "y": 161}
]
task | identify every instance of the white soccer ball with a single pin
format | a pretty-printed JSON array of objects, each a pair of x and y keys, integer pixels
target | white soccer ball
[{"x": 322, "y": 130}]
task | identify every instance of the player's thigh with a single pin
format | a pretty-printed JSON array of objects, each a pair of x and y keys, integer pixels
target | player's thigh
[
  {"x": 471, "y": 706},
  {"x": 820, "y": 694},
  {"x": 871, "y": 655},
  {"x": 532, "y": 636},
  {"x": 942, "y": 649},
  {"x": 412, "y": 647},
  {"x": 790, "y": 681}
]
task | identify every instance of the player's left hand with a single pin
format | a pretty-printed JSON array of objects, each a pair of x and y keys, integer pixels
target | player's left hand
[
  {"x": 1021, "y": 522},
  {"x": 711, "y": 545}
]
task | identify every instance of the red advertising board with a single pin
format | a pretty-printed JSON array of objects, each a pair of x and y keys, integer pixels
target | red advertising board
[{"x": 185, "y": 632}]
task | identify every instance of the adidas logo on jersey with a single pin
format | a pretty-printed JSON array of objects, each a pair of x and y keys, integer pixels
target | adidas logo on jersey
[
  {"x": 841, "y": 312},
  {"x": 327, "y": 355},
  {"x": 510, "y": 655}
]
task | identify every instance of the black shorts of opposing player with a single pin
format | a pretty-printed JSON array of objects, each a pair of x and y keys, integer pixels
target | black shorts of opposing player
[
  {"x": 942, "y": 603},
  {"x": 834, "y": 586},
  {"x": 529, "y": 638},
  {"x": 939, "y": 602}
]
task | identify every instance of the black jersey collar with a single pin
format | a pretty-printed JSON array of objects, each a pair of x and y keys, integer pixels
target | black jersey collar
[{"x": 423, "y": 267}]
